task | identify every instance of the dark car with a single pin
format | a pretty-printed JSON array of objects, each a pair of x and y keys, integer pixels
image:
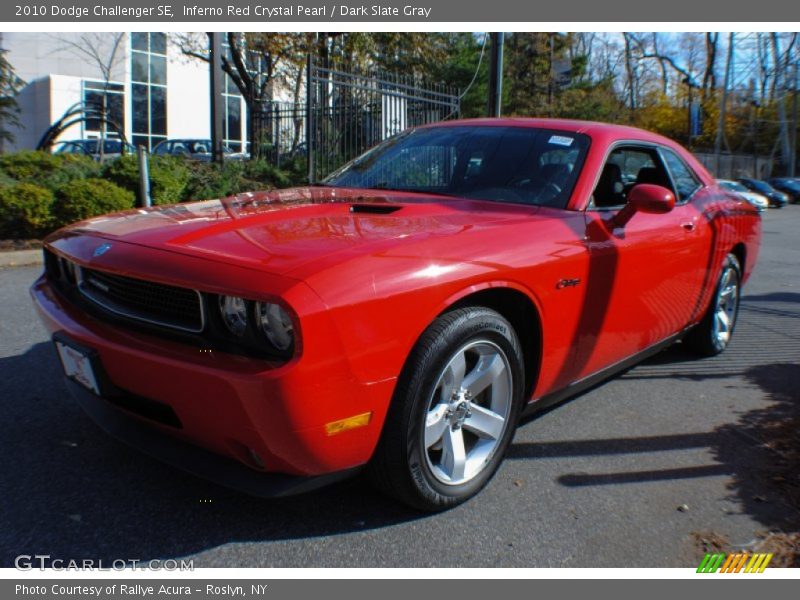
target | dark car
[
  {"x": 195, "y": 149},
  {"x": 112, "y": 148},
  {"x": 789, "y": 186},
  {"x": 777, "y": 199}
]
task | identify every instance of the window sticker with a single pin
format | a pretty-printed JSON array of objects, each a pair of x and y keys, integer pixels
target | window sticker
[{"x": 560, "y": 140}]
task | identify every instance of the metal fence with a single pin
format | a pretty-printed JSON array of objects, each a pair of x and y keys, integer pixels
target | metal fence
[
  {"x": 733, "y": 166},
  {"x": 282, "y": 126},
  {"x": 350, "y": 112}
]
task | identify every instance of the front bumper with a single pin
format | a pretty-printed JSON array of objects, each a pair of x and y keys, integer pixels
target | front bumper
[
  {"x": 260, "y": 418},
  {"x": 778, "y": 201},
  {"x": 192, "y": 459}
]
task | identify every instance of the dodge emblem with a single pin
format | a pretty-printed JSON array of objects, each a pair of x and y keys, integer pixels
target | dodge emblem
[{"x": 101, "y": 249}]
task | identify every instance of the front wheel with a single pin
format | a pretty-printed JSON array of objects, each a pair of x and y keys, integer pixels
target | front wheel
[
  {"x": 454, "y": 411},
  {"x": 713, "y": 334}
]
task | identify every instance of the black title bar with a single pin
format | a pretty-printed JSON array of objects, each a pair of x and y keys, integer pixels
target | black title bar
[{"x": 435, "y": 11}]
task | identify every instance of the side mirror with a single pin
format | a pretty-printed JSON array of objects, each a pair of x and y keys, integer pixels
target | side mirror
[{"x": 646, "y": 198}]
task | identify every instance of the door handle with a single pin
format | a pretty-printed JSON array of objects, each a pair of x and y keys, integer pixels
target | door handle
[{"x": 688, "y": 226}]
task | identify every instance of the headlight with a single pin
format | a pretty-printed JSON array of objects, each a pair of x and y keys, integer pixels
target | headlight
[
  {"x": 234, "y": 314},
  {"x": 276, "y": 324}
]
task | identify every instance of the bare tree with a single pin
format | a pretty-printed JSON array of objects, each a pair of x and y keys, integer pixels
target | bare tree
[
  {"x": 781, "y": 61},
  {"x": 709, "y": 76},
  {"x": 630, "y": 71},
  {"x": 662, "y": 63},
  {"x": 765, "y": 71},
  {"x": 723, "y": 104},
  {"x": 253, "y": 61},
  {"x": 105, "y": 51},
  {"x": 653, "y": 53}
]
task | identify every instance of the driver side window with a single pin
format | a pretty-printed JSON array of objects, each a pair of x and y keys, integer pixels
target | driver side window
[
  {"x": 685, "y": 180},
  {"x": 626, "y": 167}
]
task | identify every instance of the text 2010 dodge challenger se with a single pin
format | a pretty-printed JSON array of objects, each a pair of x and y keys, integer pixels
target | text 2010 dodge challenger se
[{"x": 403, "y": 314}]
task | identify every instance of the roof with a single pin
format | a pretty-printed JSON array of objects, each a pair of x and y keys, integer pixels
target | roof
[{"x": 593, "y": 129}]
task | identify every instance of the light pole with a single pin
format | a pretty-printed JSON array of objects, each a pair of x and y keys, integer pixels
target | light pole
[
  {"x": 216, "y": 82},
  {"x": 793, "y": 161},
  {"x": 496, "y": 76},
  {"x": 692, "y": 116}
]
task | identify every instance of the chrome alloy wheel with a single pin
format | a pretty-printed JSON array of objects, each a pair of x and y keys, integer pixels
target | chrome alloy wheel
[
  {"x": 727, "y": 303},
  {"x": 468, "y": 412}
]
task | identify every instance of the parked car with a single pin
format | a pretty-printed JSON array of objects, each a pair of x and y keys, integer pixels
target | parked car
[
  {"x": 777, "y": 199},
  {"x": 758, "y": 200},
  {"x": 112, "y": 148},
  {"x": 200, "y": 150},
  {"x": 402, "y": 315},
  {"x": 789, "y": 186}
]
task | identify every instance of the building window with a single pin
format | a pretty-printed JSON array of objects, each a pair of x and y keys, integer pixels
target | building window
[
  {"x": 95, "y": 95},
  {"x": 148, "y": 88},
  {"x": 233, "y": 122},
  {"x": 232, "y": 132}
]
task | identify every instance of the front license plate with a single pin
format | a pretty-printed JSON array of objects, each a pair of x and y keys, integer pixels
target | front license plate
[{"x": 77, "y": 366}]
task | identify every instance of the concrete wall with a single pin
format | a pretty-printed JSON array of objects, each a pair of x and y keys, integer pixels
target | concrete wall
[
  {"x": 188, "y": 96},
  {"x": 34, "y": 103},
  {"x": 34, "y": 55}
]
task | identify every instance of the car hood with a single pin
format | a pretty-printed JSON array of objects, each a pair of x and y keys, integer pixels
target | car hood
[
  {"x": 753, "y": 196},
  {"x": 775, "y": 194},
  {"x": 281, "y": 231}
]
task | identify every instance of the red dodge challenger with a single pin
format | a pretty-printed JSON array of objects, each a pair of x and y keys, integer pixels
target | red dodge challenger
[{"x": 403, "y": 314}]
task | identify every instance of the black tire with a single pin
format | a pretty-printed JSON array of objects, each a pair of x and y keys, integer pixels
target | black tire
[
  {"x": 703, "y": 338},
  {"x": 401, "y": 465}
]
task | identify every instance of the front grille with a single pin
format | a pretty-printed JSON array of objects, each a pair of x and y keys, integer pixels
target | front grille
[{"x": 155, "y": 303}]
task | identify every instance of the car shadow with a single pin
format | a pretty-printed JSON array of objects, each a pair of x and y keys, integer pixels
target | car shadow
[
  {"x": 71, "y": 491},
  {"x": 773, "y": 297},
  {"x": 759, "y": 451},
  {"x": 766, "y": 481}
]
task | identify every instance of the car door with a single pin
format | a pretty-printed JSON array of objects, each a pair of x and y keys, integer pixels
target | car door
[
  {"x": 692, "y": 198},
  {"x": 642, "y": 283}
]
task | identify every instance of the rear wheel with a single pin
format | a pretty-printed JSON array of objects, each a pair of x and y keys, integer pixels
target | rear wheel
[
  {"x": 713, "y": 334},
  {"x": 454, "y": 411}
]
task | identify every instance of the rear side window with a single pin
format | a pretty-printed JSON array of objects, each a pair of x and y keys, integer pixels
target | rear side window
[{"x": 686, "y": 182}]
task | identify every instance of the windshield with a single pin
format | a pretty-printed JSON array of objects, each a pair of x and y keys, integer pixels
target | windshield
[
  {"x": 197, "y": 146},
  {"x": 760, "y": 186},
  {"x": 90, "y": 147},
  {"x": 506, "y": 164},
  {"x": 732, "y": 185},
  {"x": 788, "y": 183}
]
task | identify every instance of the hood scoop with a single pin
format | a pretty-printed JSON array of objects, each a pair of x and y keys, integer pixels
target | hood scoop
[{"x": 374, "y": 209}]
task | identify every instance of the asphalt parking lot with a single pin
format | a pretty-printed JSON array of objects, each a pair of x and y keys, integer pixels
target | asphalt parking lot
[{"x": 632, "y": 473}]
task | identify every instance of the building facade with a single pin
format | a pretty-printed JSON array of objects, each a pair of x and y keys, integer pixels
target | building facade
[{"x": 147, "y": 85}]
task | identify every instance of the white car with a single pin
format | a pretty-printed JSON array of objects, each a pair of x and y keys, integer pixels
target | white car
[{"x": 757, "y": 200}]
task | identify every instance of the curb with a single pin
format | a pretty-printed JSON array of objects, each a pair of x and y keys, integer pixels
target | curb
[{"x": 21, "y": 258}]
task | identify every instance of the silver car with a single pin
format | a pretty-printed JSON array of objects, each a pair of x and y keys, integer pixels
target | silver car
[{"x": 757, "y": 200}]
